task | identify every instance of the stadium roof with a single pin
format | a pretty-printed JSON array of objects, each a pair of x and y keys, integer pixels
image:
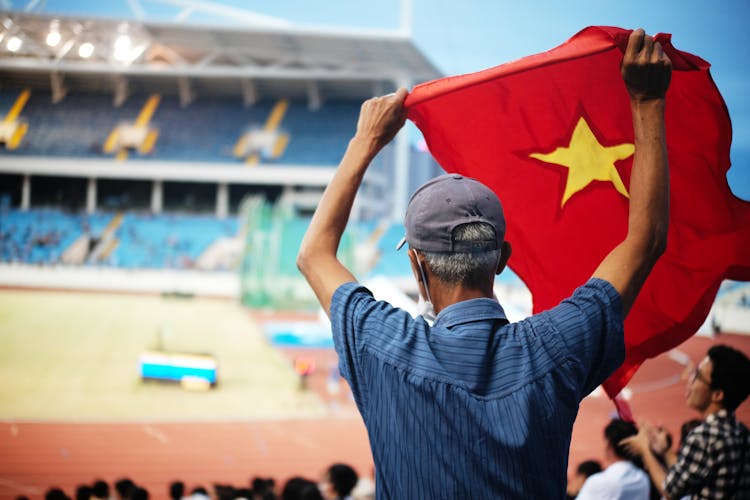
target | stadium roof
[{"x": 41, "y": 50}]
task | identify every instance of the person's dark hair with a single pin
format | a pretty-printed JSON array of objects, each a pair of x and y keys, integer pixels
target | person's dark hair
[
  {"x": 589, "y": 468},
  {"x": 55, "y": 494},
  {"x": 668, "y": 439},
  {"x": 468, "y": 269},
  {"x": 224, "y": 492},
  {"x": 687, "y": 427},
  {"x": 246, "y": 493},
  {"x": 83, "y": 492},
  {"x": 125, "y": 488},
  {"x": 343, "y": 478},
  {"x": 731, "y": 374},
  {"x": 299, "y": 488},
  {"x": 261, "y": 484},
  {"x": 140, "y": 493},
  {"x": 200, "y": 490},
  {"x": 616, "y": 431},
  {"x": 176, "y": 490},
  {"x": 100, "y": 489}
]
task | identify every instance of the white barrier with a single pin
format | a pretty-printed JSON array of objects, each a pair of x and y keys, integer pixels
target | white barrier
[{"x": 214, "y": 283}]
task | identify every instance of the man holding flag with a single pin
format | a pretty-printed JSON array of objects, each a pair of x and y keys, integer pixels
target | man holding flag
[{"x": 472, "y": 406}]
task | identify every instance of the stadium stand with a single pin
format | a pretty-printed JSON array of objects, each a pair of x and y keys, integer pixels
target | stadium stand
[
  {"x": 160, "y": 148},
  {"x": 7, "y": 99},
  {"x": 167, "y": 241},
  {"x": 332, "y": 125},
  {"x": 75, "y": 127},
  {"x": 12, "y": 127},
  {"x": 42, "y": 236},
  {"x": 204, "y": 131},
  {"x": 140, "y": 241}
]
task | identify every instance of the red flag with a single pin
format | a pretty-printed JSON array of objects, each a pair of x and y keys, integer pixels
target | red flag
[{"x": 552, "y": 135}]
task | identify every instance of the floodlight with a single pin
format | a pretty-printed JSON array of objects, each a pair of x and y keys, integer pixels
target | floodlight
[
  {"x": 122, "y": 47},
  {"x": 122, "y": 43},
  {"x": 53, "y": 38},
  {"x": 86, "y": 50},
  {"x": 14, "y": 43}
]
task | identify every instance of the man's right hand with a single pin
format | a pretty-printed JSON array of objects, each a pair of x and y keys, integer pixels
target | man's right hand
[
  {"x": 645, "y": 67},
  {"x": 381, "y": 118}
]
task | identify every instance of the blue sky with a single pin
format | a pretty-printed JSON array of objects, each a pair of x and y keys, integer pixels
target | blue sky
[{"x": 466, "y": 36}]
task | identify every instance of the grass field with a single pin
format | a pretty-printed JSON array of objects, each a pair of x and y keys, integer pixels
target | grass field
[{"x": 74, "y": 356}]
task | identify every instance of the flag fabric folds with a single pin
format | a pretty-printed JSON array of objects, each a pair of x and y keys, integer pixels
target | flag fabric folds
[{"x": 552, "y": 135}]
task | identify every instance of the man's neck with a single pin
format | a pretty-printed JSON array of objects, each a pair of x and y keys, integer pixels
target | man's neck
[
  {"x": 443, "y": 296},
  {"x": 712, "y": 408},
  {"x": 610, "y": 458}
]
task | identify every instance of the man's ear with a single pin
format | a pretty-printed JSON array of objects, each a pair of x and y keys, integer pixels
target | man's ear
[
  {"x": 413, "y": 260},
  {"x": 505, "y": 251},
  {"x": 717, "y": 396}
]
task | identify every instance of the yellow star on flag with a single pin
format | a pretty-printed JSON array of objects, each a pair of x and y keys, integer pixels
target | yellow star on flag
[{"x": 587, "y": 161}]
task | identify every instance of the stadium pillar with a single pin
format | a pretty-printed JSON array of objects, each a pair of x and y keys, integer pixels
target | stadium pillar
[
  {"x": 249, "y": 93},
  {"x": 26, "y": 192},
  {"x": 222, "y": 200},
  {"x": 91, "y": 196},
  {"x": 157, "y": 190},
  {"x": 401, "y": 167}
]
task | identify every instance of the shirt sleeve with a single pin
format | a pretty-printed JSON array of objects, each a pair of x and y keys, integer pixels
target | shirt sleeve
[
  {"x": 346, "y": 302},
  {"x": 590, "y": 323},
  {"x": 360, "y": 324},
  {"x": 691, "y": 469},
  {"x": 592, "y": 488}
]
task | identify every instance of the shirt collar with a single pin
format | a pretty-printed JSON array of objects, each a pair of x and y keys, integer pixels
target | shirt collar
[
  {"x": 721, "y": 414},
  {"x": 468, "y": 311},
  {"x": 620, "y": 465}
]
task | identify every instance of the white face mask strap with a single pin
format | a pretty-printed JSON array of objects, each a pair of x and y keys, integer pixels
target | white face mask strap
[{"x": 422, "y": 273}]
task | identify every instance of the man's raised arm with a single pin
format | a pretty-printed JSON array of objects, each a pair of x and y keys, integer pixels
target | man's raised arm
[
  {"x": 379, "y": 120},
  {"x": 647, "y": 72}
]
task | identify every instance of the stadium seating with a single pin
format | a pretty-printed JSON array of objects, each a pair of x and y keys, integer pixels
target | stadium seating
[
  {"x": 319, "y": 137},
  {"x": 206, "y": 130},
  {"x": 41, "y": 236},
  {"x": 77, "y": 126},
  {"x": 143, "y": 241},
  {"x": 166, "y": 241},
  {"x": 7, "y": 98}
]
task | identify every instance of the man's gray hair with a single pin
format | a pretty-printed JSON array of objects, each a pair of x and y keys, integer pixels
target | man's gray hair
[{"x": 468, "y": 269}]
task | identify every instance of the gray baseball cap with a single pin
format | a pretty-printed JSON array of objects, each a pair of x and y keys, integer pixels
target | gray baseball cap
[{"x": 445, "y": 202}]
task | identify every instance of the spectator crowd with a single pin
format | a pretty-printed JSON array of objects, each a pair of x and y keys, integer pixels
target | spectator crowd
[{"x": 339, "y": 482}]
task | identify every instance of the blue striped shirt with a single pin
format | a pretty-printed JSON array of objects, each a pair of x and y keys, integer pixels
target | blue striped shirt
[{"x": 474, "y": 407}]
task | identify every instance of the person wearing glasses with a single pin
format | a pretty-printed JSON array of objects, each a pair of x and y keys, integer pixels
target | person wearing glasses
[{"x": 714, "y": 459}]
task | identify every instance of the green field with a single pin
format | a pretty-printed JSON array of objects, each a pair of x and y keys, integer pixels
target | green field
[{"x": 74, "y": 356}]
